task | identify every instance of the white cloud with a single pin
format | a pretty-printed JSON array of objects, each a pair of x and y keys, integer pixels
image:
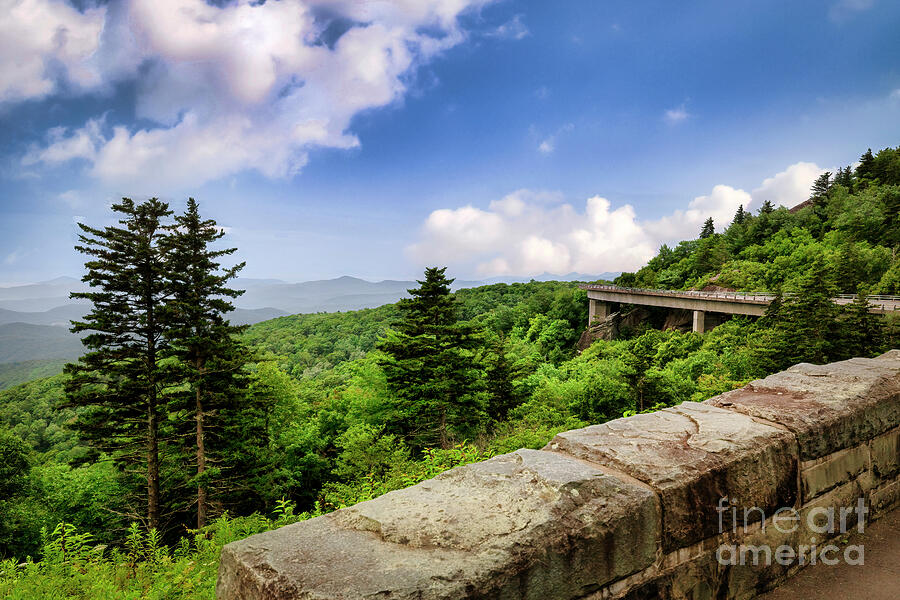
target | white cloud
[
  {"x": 842, "y": 9},
  {"x": 676, "y": 115},
  {"x": 720, "y": 204},
  {"x": 789, "y": 187},
  {"x": 72, "y": 198},
  {"x": 513, "y": 29},
  {"x": 531, "y": 232},
  {"x": 548, "y": 144},
  {"x": 64, "y": 146},
  {"x": 14, "y": 257},
  {"x": 43, "y": 42},
  {"x": 247, "y": 85}
]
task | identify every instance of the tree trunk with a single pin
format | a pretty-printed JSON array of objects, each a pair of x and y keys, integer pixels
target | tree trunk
[
  {"x": 153, "y": 465},
  {"x": 201, "y": 461},
  {"x": 445, "y": 442},
  {"x": 152, "y": 418}
]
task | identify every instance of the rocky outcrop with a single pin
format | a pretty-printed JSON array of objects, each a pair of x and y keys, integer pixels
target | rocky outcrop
[
  {"x": 680, "y": 320},
  {"x": 630, "y": 509}
]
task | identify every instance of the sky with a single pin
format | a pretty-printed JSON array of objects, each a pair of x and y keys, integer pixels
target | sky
[{"x": 374, "y": 138}]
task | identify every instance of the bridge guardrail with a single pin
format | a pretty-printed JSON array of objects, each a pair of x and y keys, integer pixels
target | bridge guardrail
[{"x": 877, "y": 300}]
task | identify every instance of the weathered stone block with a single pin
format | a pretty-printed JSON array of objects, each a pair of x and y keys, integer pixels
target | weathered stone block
[
  {"x": 825, "y": 473},
  {"x": 527, "y": 525},
  {"x": 832, "y": 514},
  {"x": 693, "y": 455},
  {"x": 885, "y": 451},
  {"x": 829, "y": 407},
  {"x": 756, "y": 570},
  {"x": 885, "y": 498}
]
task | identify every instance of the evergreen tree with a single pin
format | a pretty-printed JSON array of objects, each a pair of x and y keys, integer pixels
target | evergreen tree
[
  {"x": 708, "y": 228},
  {"x": 821, "y": 186},
  {"x": 499, "y": 375},
  {"x": 740, "y": 216},
  {"x": 844, "y": 177},
  {"x": 767, "y": 208},
  {"x": 430, "y": 366},
  {"x": 808, "y": 318},
  {"x": 210, "y": 359},
  {"x": 121, "y": 380},
  {"x": 890, "y": 230},
  {"x": 863, "y": 330},
  {"x": 865, "y": 167}
]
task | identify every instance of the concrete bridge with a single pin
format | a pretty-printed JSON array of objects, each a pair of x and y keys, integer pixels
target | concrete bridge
[{"x": 754, "y": 304}]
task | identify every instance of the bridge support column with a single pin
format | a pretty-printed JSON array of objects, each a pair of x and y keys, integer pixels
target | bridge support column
[
  {"x": 597, "y": 311},
  {"x": 699, "y": 321}
]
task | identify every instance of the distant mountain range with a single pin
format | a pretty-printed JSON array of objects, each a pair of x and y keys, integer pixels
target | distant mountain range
[{"x": 34, "y": 318}]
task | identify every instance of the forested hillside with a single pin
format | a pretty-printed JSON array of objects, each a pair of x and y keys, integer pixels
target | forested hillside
[
  {"x": 330, "y": 415},
  {"x": 851, "y": 223}
]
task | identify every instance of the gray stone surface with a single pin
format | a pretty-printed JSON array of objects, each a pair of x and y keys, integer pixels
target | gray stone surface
[
  {"x": 830, "y": 471},
  {"x": 693, "y": 455},
  {"x": 829, "y": 407},
  {"x": 886, "y": 455},
  {"x": 530, "y": 524}
]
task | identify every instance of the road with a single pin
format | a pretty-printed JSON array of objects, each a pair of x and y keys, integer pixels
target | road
[{"x": 877, "y": 579}]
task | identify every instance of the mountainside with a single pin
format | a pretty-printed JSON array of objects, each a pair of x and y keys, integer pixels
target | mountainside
[
  {"x": 850, "y": 227},
  {"x": 47, "y": 304},
  {"x": 59, "y": 316},
  {"x": 21, "y": 342},
  {"x": 15, "y": 373},
  {"x": 40, "y": 297}
]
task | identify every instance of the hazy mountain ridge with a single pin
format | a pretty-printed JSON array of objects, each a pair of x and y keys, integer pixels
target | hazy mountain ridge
[
  {"x": 20, "y": 342},
  {"x": 34, "y": 318}
]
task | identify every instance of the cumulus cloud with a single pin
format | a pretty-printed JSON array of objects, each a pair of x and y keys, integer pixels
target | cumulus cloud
[
  {"x": 64, "y": 145},
  {"x": 529, "y": 232},
  {"x": 720, "y": 204},
  {"x": 789, "y": 187},
  {"x": 44, "y": 43},
  {"x": 246, "y": 85}
]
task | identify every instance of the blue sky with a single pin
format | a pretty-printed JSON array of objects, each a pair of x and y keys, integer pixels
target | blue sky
[{"x": 374, "y": 138}]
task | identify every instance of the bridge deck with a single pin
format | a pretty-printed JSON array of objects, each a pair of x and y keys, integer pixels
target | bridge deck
[
  {"x": 715, "y": 301},
  {"x": 700, "y": 303}
]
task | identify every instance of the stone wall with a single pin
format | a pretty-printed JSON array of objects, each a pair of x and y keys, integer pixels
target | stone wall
[{"x": 637, "y": 508}]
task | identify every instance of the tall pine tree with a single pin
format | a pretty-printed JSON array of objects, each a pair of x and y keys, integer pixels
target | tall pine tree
[
  {"x": 807, "y": 321},
  {"x": 821, "y": 186},
  {"x": 430, "y": 366},
  {"x": 210, "y": 359},
  {"x": 120, "y": 381},
  {"x": 863, "y": 330}
]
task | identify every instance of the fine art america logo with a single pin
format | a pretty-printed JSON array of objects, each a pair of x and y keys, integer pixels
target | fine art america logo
[{"x": 825, "y": 521}]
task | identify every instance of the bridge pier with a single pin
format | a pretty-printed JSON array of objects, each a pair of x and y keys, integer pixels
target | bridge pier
[
  {"x": 597, "y": 311},
  {"x": 699, "y": 321}
]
